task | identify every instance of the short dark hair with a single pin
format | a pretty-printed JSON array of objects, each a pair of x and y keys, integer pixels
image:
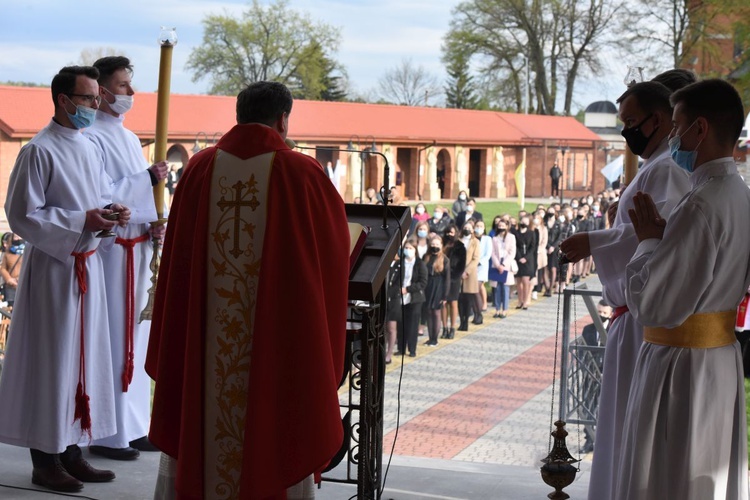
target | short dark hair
[
  {"x": 64, "y": 82},
  {"x": 675, "y": 79},
  {"x": 651, "y": 97},
  {"x": 263, "y": 102},
  {"x": 108, "y": 65},
  {"x": 718, "y": 102}
]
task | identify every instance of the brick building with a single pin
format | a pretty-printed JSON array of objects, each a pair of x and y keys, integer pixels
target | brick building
[{"x": 433, "y": 152}]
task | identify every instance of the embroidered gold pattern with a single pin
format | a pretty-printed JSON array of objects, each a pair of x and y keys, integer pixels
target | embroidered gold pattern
[{"x": 240, "y": 266}]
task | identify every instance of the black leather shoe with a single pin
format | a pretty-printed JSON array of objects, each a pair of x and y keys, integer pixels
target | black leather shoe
[
  {"x": 478, "y": 320},
  {"x": 56, "y": 478},
  {"x": 143, "y": 444},
  {"x": 115, "y": 453},
  {"x": 83, "y": 471},
  {"x": 451, "y": 333}
]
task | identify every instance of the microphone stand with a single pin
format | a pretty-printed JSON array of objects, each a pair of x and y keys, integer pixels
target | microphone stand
[{"x": 384, "y": 190}]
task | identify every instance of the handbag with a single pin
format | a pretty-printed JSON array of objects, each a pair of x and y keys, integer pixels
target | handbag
[{"x": 513, "y": 266}]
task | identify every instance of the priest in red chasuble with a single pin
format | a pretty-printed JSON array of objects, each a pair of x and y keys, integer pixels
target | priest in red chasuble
[{"x": 248, "y": 333}]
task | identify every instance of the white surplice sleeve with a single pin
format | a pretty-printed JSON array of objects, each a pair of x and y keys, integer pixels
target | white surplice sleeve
[
  {"x": 612, "y": 248},
  {"x": 668, "y": 278},
  {"x": 53, "y": 230},
  {"x": 135, "y": 192}
]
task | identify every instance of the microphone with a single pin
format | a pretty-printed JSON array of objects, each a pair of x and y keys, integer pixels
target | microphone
[{"x": 384, "y": 190}]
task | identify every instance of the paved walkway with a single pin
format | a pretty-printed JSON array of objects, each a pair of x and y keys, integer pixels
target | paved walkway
[{"x": 474, "y": 421}]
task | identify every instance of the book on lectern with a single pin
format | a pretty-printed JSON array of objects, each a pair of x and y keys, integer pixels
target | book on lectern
[{"x": 357, "y": 238}]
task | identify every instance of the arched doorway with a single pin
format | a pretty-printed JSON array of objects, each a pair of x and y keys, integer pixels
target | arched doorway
[
  {"x": 444, "y": 174},
  {"x": 406, "y": 172},
  {"x": 177, "y": 157}
]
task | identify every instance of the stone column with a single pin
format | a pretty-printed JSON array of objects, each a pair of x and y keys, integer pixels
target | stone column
[
  {"x": 462, "y": 169},
  {"x": 353, "y": 177},
  {"x": 431, "y": 190},
  {"x": 497, "y": 188}
]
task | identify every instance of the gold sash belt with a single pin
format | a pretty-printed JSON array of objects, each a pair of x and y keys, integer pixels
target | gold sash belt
[{"x": 699, "y": 331}]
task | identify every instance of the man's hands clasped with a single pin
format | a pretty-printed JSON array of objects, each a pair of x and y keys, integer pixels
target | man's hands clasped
[{"x": 645, "y": 217}]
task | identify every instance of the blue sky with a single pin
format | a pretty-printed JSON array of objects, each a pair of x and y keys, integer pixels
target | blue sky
[{"x": 38, "y": 37}]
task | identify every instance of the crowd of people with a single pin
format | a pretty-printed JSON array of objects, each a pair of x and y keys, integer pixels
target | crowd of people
[{"x": 464, "y": 255}]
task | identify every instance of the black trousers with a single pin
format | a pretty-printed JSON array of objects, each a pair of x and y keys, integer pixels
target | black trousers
[
  {"x": 555, "y": 187},
  {"x": 409, "y": 332}
]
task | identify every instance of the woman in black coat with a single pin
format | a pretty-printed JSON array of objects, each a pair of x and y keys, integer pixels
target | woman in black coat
[
  {"x": 456, "y": 252},
  {"x": 438, "y": 286},
  {"x": 526, "y": 247},
  {"x": 413, "y": 274}
]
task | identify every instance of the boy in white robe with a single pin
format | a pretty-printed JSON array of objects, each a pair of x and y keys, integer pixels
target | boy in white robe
[
  {"x": 129, "y": 256},
  {"x": 685, "y": 433}
]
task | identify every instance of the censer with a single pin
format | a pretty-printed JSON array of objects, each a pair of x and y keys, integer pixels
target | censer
[{"x": 558, "y": 470}]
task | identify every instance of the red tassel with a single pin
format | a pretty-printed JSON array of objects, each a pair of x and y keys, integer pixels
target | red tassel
[
  {"x": 82, "y": 410},
  {"x": 127, "y": 373},
  {"x": 742, "y": 311}
]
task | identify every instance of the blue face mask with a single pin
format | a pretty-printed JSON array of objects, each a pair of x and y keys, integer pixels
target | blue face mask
[
  {"x": 17, "y": 249},
  {"x": 685, "y": 159},
  {"x": 422, "y": 233},
  {"x": 83, "y": 118}
]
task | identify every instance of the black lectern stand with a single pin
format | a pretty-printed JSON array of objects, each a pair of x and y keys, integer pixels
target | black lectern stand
[{"x": 362, "y": 412}]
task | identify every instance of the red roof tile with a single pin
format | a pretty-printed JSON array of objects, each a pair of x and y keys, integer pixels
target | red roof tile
[{"x": 25, "y": 110}]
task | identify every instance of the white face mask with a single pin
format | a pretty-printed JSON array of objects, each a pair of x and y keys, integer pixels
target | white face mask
[
  {"x": 122, "y": 104},
  {"x": 420, "y": 210}
]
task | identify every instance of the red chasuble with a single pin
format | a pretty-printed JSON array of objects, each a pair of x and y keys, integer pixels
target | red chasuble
[{"x": 292, "y": 425}]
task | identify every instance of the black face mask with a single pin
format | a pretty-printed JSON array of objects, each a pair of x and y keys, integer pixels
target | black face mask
[
  {"x": 448, "y": 238},
  {"x": 501, "y": 230},
  {"x": 435, "y": 250},
  {"x": 466, "y": 232},
  {"x": 522, "y": 226},
  {"x": 604, "y": 319},
  {"x": 637, "y": 141}
]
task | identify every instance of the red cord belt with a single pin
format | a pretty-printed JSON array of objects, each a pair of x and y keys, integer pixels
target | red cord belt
[
  {"x": 82, "y": 409},
  {"x": 127, "y": 371}
]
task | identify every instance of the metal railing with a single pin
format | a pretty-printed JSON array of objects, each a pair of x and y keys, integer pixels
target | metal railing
[{"x": 581, "y": 363}]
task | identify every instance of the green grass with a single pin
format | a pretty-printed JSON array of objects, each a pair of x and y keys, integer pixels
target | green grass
[{"x": 488, "y": 209}]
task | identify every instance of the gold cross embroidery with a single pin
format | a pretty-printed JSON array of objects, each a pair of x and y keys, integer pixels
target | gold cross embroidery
[{"x": 238, "y": 203}]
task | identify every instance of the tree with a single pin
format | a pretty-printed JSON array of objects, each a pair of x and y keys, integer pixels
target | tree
[
  {"x": 13, "y": 83},
  {"x": 407, "y": 84},
  {"x": 460, "y": 89},
  {"x": 91, "y": 55},
  {"x": 679, "y": 32},
  {"x": 554, "y": 37},
  {"x": 267, "y": 43},
  {"x": 321, "y": 79}
]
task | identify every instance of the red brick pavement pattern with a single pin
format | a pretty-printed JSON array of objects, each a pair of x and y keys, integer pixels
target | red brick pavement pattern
[{"x": 449, "y": 427}]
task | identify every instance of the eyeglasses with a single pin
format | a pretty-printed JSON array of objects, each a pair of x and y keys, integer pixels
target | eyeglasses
[{"x": 88, "y": 98}]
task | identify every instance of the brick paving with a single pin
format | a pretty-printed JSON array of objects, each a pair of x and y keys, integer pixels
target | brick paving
[{"x": 457, "y": 399}]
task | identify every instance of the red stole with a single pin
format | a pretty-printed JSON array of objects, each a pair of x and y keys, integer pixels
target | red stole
[{"x": 293, "y": 425}]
